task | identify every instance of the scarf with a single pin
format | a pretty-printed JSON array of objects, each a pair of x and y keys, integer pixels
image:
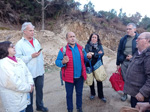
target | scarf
[{"x": 95, "y": 45}]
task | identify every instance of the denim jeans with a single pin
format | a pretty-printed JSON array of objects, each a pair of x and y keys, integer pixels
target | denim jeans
[
  {"x": 78, "y": 83},
  {"x": 39, "y": 83}
]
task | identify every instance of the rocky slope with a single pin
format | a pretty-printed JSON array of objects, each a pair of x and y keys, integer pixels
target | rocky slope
[{"x": 51, "y": 42}]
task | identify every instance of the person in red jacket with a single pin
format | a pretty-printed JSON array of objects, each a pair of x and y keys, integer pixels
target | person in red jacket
[{"x": 73, "y": 70}]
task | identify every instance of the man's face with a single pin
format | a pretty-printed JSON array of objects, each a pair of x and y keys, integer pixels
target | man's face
[
  {"x": 71, "y": 38},
  {"x": 141, "y": 42},
  {"x": 29, "y": 32},
  {"x": 130, "y": 30}
]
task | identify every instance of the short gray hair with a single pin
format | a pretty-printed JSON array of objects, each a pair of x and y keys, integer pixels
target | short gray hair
[
  {"x": 25, "y": 24},
  {"x": 134, "y": 26}
]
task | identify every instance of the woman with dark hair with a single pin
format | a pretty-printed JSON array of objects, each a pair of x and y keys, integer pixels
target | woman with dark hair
[
  {"x": 15, "y": 80},
  {"x": 94, "y": 47}
]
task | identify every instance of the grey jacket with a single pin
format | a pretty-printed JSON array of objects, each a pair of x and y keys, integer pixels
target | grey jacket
[{"x": 138, "y": 75}]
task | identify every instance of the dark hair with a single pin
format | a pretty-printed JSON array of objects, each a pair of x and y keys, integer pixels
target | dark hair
[
  {"x": 98, "y": 39},
  {"x": 4, "y": 49}
]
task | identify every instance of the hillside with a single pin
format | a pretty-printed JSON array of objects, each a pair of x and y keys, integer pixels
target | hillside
[{"x": 52, "y": 42}]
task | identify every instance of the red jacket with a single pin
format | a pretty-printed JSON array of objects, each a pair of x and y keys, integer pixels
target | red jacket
[{"x": 67, "y": 72}]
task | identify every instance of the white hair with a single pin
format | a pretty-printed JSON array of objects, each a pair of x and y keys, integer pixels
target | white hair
[{"x": 25, "y": 24}]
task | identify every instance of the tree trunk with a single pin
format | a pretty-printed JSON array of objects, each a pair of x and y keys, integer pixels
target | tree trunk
[{"x": 43, "y": 16}]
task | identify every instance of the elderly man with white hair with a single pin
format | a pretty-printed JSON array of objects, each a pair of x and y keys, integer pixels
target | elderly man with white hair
[
  {"x": 137, "y": 83},
  {"x": 28, "y": 49}
]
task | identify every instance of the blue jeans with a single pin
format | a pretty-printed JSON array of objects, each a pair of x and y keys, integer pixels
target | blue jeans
[
  {"x": 39, "y": 83},
  {"x": 78, "y": 83}
]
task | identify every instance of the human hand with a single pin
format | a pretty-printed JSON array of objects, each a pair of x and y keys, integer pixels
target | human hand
[
  {"x": 139, "y": 97},
  {"x": 142, "y": 106},
  {"x": 34, "y": 55},
  {"x": 118, "y": 66},
  {"x": 100, "y": 52},
  {"x": 65, "y": 59},
  {"x": 32, "y": 88},
  {"x": 129, "y": 57},
  {"x": 89, "y": 55}
]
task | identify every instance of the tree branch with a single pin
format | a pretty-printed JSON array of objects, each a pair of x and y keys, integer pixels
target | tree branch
[
  {"x": 46, "y": 5},
  {"x": 38, "y": 2}
]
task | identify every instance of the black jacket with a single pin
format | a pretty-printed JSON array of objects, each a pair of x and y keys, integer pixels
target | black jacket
[
  {"x": 96, "y": 56},
  {"x": 120, "y": 54}
]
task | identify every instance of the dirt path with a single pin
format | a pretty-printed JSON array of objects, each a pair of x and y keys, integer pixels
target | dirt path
[{"x": 54, "y": 93}]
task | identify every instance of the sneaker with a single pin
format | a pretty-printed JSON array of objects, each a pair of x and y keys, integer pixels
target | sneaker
[
  {"x": 92, "y": 97},
  {"x": 124, "y": 97},
  {"x": 120, "y": 93},
  {"x": 104, "y": 100},
  {"x": 43, "y": 109}
]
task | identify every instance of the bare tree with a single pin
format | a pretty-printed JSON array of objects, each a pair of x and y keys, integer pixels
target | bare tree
[{"x": 42, "y": 2}]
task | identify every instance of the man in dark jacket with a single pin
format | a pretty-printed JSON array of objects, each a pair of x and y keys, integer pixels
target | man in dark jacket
[
  {"x": 137, "y": 83},
  {"x": 126, "y": 49}
]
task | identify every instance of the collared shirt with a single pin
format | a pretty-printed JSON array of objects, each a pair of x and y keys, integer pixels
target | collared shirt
[
  {"x": 12, "y": 58},
  {"x": 76, "y": 60},
  {"x": 24, "y": 50}
]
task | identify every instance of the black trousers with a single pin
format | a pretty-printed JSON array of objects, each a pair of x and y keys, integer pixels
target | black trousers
[
  {"x": 134, "y": 101},
  {"x": 99, "y": 89},
  {"x": 39, "y": 82}
]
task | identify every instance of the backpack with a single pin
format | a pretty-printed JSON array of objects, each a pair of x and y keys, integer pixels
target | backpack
[{"x": 64, "y": 54}]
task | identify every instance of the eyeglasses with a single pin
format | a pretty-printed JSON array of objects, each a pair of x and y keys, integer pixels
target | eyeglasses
[
  {"x": 11, "y": 46},
  {"x": 129, "y": 29},
  {"x": 140, "y": 38}
]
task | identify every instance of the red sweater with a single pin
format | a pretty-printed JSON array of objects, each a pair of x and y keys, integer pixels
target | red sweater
[{"x": 67, "y": 72}]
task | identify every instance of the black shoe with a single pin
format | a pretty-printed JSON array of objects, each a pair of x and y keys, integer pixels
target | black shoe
[
  {"x": 43, "y": 109},
  {"x": 104, "y": 100}
]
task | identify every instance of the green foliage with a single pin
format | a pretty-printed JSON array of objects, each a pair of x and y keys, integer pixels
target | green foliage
[
  {"x": 30, "y": 10},
  {"x": 145, "y": 23},
  {"x": 89, "y": 8},
  {"x": 4, "y": 28},
  {"x": 107, "y": 15}
]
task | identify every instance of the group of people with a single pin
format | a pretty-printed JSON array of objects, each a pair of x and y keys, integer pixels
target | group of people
[
  {"x": 22, "y": 69},
  {"x": 74, "y": 70}
]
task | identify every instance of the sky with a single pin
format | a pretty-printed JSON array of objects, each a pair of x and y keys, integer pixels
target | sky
[{"x": 128, "y": 6}]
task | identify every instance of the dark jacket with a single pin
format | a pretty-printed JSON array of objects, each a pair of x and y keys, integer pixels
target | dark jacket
[
  {"x": 96, "y": 56},
  {"x": 120, "y": 54},
  {"x": 138, "y": 75}
]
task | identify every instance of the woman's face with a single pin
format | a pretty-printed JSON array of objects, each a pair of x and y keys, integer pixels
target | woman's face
[
  {"x": 94, "y": 39},
  {"x": 11, "y": 50}
]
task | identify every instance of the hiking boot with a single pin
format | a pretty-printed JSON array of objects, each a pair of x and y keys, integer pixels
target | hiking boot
[
  {"x": 92, "y": 97},
  {"x": 124, "y": 97},
  {"x": 104, "y": 100}
]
